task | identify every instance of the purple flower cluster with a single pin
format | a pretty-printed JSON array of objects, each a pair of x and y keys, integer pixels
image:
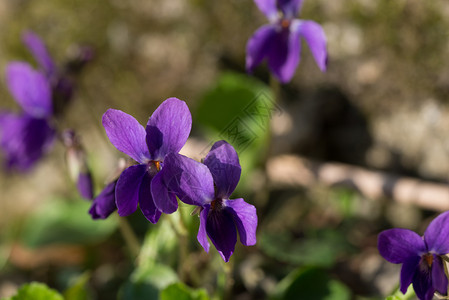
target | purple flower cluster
[
  {"x": 280, "y": 41},
  {"x": 161, "y": 174},
  {"x": 421, "y": 257},
  {"x": 43, "y": 95}
]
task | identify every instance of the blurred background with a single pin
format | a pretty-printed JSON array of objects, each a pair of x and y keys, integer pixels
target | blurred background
[{"x": 381, "y": 106}]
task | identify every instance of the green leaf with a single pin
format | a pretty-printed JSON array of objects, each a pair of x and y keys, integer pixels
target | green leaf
[
  {"x": 410, "y": 294},
  {"x": 238, "y": 109},
  {"x": 158, "y": 275},
  {"x": 160, "y": 244},
  {"x": 310, "y": 283},
  {"x": 138, "y": 291},
  {"x": 36, "y": 291},
  {"x": 180, "y": 291},
  {"x": 146, "y": 284},
  {"x": 151, "y": 274},
  {"x": 61, "y": 221},
  {"x": 319, "y": 248},
  {"x": 78, "y": 291}
]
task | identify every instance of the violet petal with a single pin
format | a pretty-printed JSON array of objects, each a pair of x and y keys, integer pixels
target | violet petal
[
  {"x": 223, "y": 163},
  {"x": 220, "y": 228},
  {"x": 245, "y": 218},
  {"x": 439, "y": 279},
  {"x": 104, "y": 204},
  {"x": 268, "y": 8},
  {"x": 397, "y": 245},
  {"x": 284, "y": 54},
  {"x": 24, "y": 140},
  {"x": 39, "y": 52},
  {"x": 164, "y": 200},
  {"x": 437, "y": 234},
  {"x": 409, "y": 267},
  {"x": 290, "y": 8},
  {"x": 422, "y": 284},
  {"x": 128, "y": 189},
  {"x": 202, "y": 234},
  {"x": 168, "y": 128},
  {"x": 191, "y": 181},
  {"x": 259, "y": 45},
  {"x": 146, "y": 200},
  {"x": 315, "y": 37},
  {"x": 30, "y": 88},
  {"x": 126, "y": 134}
]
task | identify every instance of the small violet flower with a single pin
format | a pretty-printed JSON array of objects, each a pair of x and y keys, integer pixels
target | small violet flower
[
  {"x": 166, "y": 132},
  {"x": 209, "y": 186},
  {"x": 420, "y": 256},
  {"x": 280, "y": 41},
  {"x": 26, "y": 136}
]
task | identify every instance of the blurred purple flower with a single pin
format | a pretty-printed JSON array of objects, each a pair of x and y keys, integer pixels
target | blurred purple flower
[
  {"x": 419, "y": 256},
  {"x": 59, "y": 78},
  {"x": 43, "y": 94},
  {"x": 26, "y": 136},
  {"x": 280, "y": 41},
  {"x": 209, "y": 186},
  {"x": 166, "y": 132},
  {"x": 61, "y": 85}
]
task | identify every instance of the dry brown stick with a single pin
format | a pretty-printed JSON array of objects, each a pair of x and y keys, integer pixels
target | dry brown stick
[{"x": 291, "y": 170}]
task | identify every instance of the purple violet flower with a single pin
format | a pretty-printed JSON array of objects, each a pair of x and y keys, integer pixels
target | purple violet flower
[
  {"x": 209, "y": 186},
  {"x": 419, "y": 256},
  {"x": 26, "y": 136},
  {"x": 280, "y": 41},
  {"x": 166, "y": 132}
]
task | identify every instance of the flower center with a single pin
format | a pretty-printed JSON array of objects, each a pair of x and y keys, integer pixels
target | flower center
[
  {"x": 428, "y": 259},
  {"x": 216, "y": 204},
  {"x": 153, "y": 167},
  {"x": 285, "y": 23}
]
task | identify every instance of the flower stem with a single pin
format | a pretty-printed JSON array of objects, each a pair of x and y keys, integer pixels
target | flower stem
[
  {"x": 229, "y": 281},
  {"x": 181, "y": 232},
  {"x": 129, "y": 236},
  {"x": 276, "y": 90}
]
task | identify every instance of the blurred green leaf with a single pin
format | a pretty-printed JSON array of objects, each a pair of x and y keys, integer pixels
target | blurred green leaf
[
  {"x": 410, "y": 294},
  {"x": 160, "y": 244},
  {"x": 138, "y": 291},
  {"x": 238, "y": 109},
  {"x": 60, "y": 221},
  {"x": 36, "y": 291},
  {"x": 310, "y": 283},
  {"x": 158, "y": 275},
  {"x": 180, "y": 291},
  {"x": 319, "y": 248},
  {"x": 233, "y": 94},
  {"x": 78, "y": 291},
  {"x": 151, "y": 274},
  {"x": 146, "y": 283}
]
